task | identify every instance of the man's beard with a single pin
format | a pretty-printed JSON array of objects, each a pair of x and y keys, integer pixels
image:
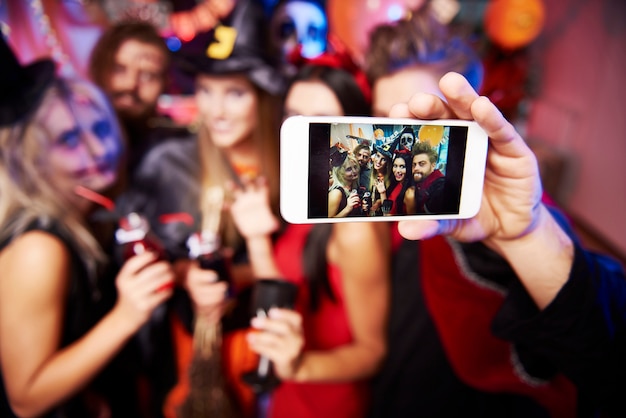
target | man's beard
[{"x": 136, "y": 114}]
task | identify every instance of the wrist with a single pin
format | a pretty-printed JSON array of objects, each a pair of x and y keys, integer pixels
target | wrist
[
  {"x": 117, "y": 320},
  {"x": 301, "y": 373},
  {"x": 542, "y": 257},
  {"x": 542, "y": 231}
]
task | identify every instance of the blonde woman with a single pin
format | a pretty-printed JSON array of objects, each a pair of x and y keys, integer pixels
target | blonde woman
[
  {"x": 55, "y": 135},
  {"x": 343, "y": 199},
  {"x": 235, "y": 140}
]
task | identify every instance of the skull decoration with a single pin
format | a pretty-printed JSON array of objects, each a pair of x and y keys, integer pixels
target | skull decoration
[
  {"x": 407, "y": 139},
  {"x": 300, "y": 22}
]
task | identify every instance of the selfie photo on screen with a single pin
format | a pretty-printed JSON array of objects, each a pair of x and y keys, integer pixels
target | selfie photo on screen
[{"x": 409, "y": 169}]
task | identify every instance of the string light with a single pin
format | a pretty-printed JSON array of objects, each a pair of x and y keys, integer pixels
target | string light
[
  {"x": 50, "y": 37},
  {"x": 203, "y": 17}
]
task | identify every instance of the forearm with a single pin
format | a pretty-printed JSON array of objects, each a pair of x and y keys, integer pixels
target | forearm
[
  {"x": 261, "y": 255},
  {"x": 542, "y": 259},
  {"x": 346, "y": 363},
  {"x": 73, "y": 367}
]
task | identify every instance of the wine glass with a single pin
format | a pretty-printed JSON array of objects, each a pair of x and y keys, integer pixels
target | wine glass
[{"x": 267, "y": 294}]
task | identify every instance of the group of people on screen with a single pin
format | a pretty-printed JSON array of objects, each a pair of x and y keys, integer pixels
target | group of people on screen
[
  {"x": 503, "y": 314},
  {"x": 396, "y": 175}
]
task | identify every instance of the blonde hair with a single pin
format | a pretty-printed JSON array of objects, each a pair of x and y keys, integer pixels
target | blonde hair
[
  {"x": 28, "y": 189},
  {"x": 386, "y": 173},
  {"x": 216, "y": 171},
  {"x": 339, "y": 171}
]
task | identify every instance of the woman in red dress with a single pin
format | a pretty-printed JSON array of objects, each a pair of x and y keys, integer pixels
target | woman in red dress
[{"x": 326, "y": 349}]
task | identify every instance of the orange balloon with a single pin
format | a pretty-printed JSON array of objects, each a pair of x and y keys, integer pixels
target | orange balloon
[
  {"x": 431, "y": 133},
  {"x": 512, "y": 24}
]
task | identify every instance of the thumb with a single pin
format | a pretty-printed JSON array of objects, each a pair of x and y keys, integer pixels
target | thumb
[{"x": 416, "y": 230}]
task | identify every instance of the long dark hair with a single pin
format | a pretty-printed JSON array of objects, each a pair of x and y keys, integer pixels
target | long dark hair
[
  {"x": 353, "y": 103},
  {"x": 404, "y": 184},
  {"x": 341, "y": 82}
]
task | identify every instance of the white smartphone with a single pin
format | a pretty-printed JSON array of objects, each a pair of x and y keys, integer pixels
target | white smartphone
[{"x": 338, "y": 169}]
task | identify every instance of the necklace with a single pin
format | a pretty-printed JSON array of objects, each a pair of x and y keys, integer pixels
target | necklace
[{"x": 245, "y": 171}]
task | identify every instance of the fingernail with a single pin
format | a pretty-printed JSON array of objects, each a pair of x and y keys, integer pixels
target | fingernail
[
  {"x": 166, "y": 286},
  {"x": 257, "y": 322},
  {"x": 274, "y": 313}
]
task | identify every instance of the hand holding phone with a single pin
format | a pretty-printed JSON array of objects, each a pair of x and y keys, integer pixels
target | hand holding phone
[
  {"x": 419, "y": 169},
  {"x": 511, "y": 199}
]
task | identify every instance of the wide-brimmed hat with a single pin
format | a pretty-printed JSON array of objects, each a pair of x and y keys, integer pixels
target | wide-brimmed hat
[
  {"x": 238, "y": 45},
  {"x": 21, "y": 86}
]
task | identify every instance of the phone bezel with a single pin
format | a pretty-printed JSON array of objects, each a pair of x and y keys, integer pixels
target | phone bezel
[{"x": 295, "y": 162}]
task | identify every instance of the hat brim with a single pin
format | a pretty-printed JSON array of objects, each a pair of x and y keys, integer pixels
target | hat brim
[
  {"x": 260, "y": 73},
  {"x": 386, "y": 153}
]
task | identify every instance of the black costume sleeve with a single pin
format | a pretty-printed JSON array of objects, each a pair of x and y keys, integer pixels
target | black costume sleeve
[
  {"x": 582, "y": 332},
  {"x": 167, "y": 182},
  {"x": 435, "y": 199}
]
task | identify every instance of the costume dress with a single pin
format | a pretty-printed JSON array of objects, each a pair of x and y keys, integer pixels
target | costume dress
[
  {"x": 365, "y": 177},
  {"x": 344, "y": 202},
  {"x": 85, "y": 303},
  {"x": 166, "y": 182},
  {"x": 393, "y": 196},
  {"x": 429, "y": 193},
  {"x": 324, "y": 329},
  {"x": 465, "y": 339}
]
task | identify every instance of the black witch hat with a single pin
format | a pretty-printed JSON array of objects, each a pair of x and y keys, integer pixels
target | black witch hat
[
  {"x": 21, "y": 86},
  {"x": 238, "y": 45},
  {"x": 337, "y": 155}
]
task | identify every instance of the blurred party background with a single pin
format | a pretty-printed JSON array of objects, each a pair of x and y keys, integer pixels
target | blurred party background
[{"x": 554, "y": 67}]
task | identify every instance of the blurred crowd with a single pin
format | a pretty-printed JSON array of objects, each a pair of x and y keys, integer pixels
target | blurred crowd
[{"x": 142, "y": 251}]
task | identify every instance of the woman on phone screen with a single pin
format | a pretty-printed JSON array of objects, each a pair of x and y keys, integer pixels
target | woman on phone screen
[{"x": 343, "y": 198}]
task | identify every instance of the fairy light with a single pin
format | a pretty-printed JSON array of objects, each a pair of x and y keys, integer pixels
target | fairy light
[{"x": 50, "y": 37}]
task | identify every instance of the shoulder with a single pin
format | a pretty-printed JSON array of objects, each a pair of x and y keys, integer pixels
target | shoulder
[
  {"x": 36, "y": 259},
  {"x": 336, "y": 190},
  {"x": 170, "y": 151},
  {"x": 36, "y": 246},
  {"x": 170, "y": 162}
]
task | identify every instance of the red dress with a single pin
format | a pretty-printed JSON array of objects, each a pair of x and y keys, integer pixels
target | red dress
[
  {"x": 393, "y": 196},
  {"x": 325, "y": 329}
]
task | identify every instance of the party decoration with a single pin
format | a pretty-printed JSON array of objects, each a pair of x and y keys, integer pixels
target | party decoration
[
  {"x": 201, "y": 18},
  {"x": 300, "y": 24},
  {"x": 51, "y": 39},
  {"x": 513, "y": 24},
  {"x": 336, "y": 55},
  {"x": 431, "y": 133},
  {"x": 155, "y": 12},
  {"x": 352, "y": 20},
  {"x": 225, "y": 37},
  {"x": 184, "y": 24}
]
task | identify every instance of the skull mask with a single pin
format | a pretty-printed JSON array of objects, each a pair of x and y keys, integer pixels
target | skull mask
[
  {"x": 407, "y": 139},
  {"x": 300, "y": 22}
]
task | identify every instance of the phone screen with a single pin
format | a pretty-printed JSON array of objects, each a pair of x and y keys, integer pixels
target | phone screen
[{"x": 411, "y": 169}]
